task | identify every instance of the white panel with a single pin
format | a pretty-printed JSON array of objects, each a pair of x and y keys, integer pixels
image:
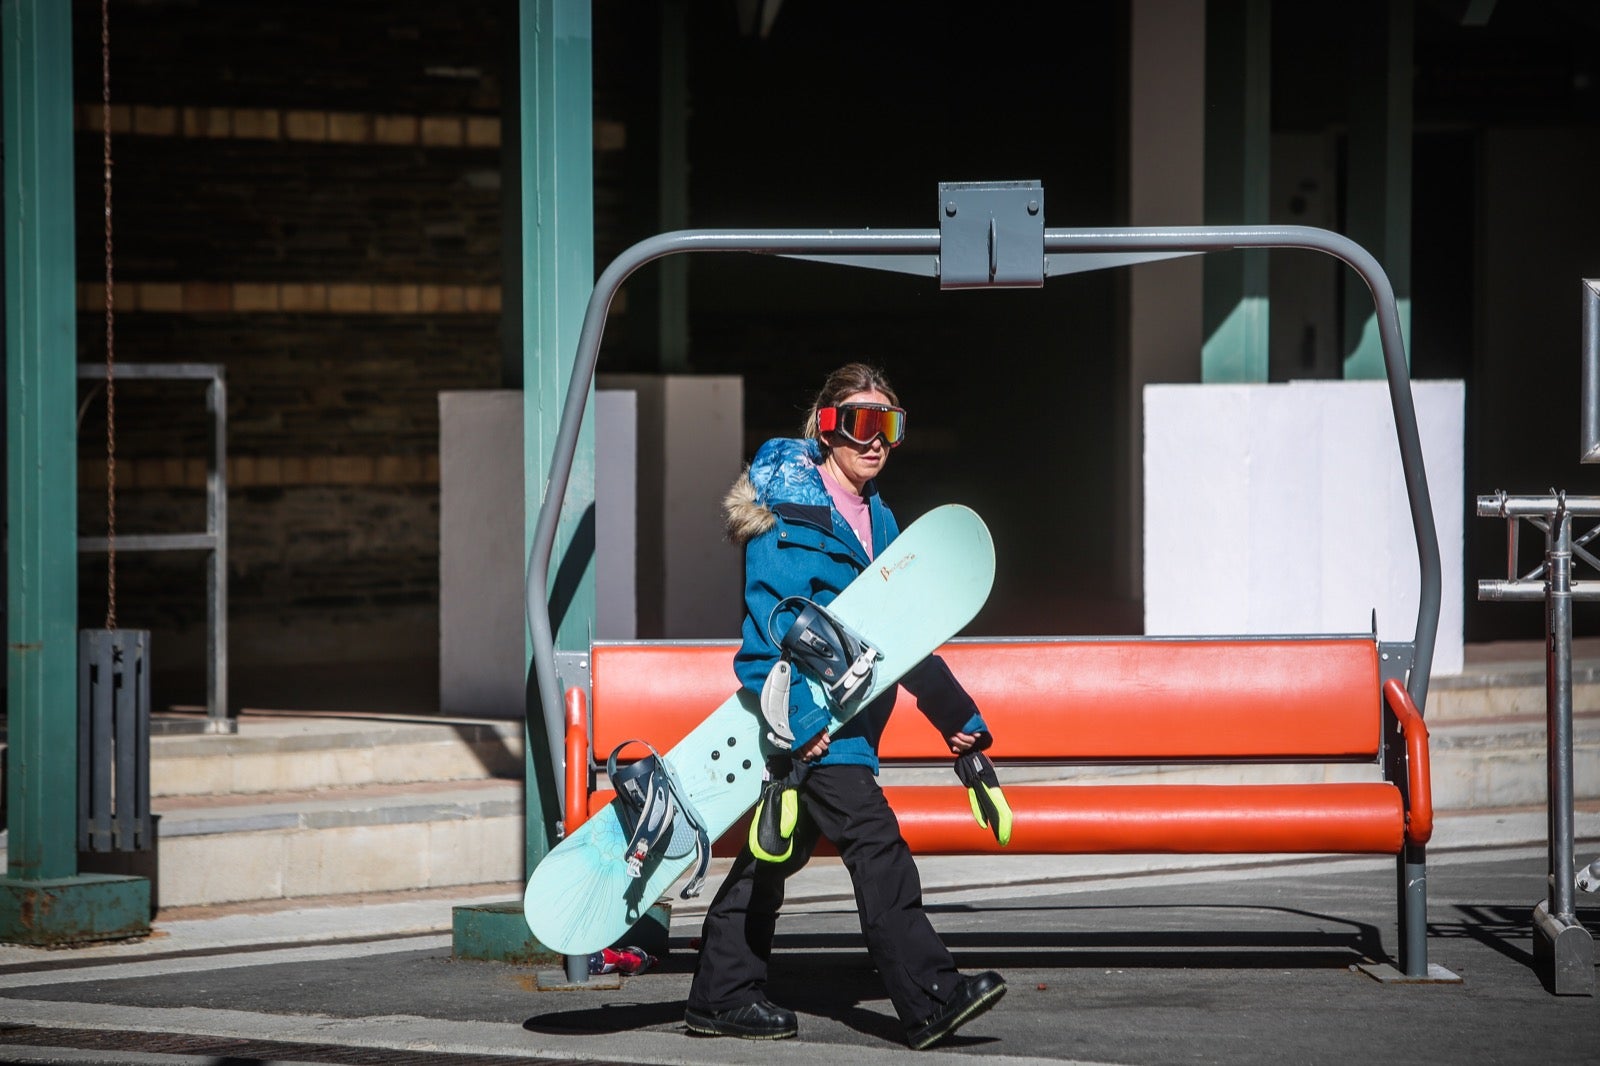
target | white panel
[
  {"x": 483, "y": 658},
  {"x": 1282, "y": 509},
  {"x": 481, "y": 563},
  {"x": 703, "y": 446},
  {"x": 616, "y": 457},
  {"x": 1189, "y": 518}
]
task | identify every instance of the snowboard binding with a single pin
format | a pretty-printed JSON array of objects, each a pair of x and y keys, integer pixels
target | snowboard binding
[
  {"x": 653, "y": 799},
  {"x": 826, "y": 649}
]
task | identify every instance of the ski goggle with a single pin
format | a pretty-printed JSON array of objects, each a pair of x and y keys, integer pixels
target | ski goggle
[{"x": 863, "y": 422}]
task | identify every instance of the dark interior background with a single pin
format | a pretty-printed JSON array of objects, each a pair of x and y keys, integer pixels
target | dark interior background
[{"x": 846, "y": 115}]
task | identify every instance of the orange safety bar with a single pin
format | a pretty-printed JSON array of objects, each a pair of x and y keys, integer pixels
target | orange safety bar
[
  {"x": 1419, "y": 778},
  {"x": 577, "y": 759},
  {"x": 1358, "y": 818},
  {"x": 1351, "y": 818}
]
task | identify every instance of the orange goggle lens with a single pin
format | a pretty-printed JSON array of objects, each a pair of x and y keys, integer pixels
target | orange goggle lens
[{"x": 862, "y": 422}]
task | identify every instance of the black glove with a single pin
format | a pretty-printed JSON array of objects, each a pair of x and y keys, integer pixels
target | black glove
[
  {"x": 989, "y": 806},
  {"x": 777, "y": 813}
]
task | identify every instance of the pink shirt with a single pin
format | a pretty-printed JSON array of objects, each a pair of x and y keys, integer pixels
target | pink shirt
[{"x": 854, "y": 509}]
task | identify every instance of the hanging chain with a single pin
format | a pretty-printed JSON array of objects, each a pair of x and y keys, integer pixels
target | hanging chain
[{"x": 111, "y": 376}]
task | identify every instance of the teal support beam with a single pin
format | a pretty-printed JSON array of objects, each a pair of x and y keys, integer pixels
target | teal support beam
[
  {"x": 1238, "y": 166},
  {"x": 1378, "y": 184},
  {"x": 43, "y": 898},
  {"x": 557, "y": 175}
]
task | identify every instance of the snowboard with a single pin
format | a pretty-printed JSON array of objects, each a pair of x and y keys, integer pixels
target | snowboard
[{"x": 924, "y": 587}]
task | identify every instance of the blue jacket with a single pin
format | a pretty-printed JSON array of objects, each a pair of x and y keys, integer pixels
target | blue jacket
[{"x": 797, "y": 544}]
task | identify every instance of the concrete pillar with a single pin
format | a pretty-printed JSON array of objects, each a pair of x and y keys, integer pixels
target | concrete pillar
[{"x": 1165, "y": 168}]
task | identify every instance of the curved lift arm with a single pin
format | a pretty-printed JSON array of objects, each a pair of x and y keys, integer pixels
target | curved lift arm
[{"x": 919, "y": 251}]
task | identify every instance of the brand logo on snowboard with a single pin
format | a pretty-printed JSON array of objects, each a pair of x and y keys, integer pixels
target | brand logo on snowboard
[{"x": 899, "y": 564}]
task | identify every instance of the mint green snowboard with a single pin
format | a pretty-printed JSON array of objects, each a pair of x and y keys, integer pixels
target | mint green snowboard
[{"x": 919, "y": 593}]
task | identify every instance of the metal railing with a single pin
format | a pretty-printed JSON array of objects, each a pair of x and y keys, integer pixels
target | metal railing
[
  {"x": 1563, "y": 948},
  {"x": 213, "y": 541}
]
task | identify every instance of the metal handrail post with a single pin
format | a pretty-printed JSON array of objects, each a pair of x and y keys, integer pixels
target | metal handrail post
[
  {"x": 214, "y": 541},
  {"x": 217, "y": 720},
  {"x": 1563, "y": 949},
  {"x": 1558, "y": 712}
]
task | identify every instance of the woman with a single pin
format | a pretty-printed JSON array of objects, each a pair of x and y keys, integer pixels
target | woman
[{"x": 808, "y": 514}]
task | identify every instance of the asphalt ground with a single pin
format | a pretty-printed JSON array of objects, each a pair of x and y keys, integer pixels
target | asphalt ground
[{"x": 1245, "y": 964}]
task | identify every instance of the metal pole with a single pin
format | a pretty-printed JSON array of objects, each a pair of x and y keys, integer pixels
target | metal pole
[
  {"x": 217, "y": 720},
  {"x": 1563, "y": 949},
  {"x": 1558, "y": 712}
]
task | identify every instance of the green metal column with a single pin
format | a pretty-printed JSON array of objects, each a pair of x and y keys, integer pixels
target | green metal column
[
  {"x": 1238, "y": 168},
  {"x": 557, "y": 277},
  {"x": 43, "y": 898},
  {"x": 1378, "y": 187}
]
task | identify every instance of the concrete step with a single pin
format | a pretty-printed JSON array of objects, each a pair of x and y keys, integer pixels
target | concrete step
[
  {"x": 294, "y": 845},
  {"x": 372, "y": 838},
  {"x": 287, "y": 752},
  {"x": 298, "y": 805},
  {"x": 1500, "y": 689}
]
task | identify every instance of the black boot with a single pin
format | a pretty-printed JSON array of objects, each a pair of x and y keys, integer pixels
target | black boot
[
  {"x": 753, "y": 1021},
  {"x": 972, "y": 997}
]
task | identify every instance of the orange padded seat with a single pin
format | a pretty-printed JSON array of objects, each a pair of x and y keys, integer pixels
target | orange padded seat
[{"x": 1089, "y": 700}]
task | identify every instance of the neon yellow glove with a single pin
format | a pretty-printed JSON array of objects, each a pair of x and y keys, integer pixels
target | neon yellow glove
[
  {"x": 989, "y": 806},
  {"x": 777, "y": 813}
]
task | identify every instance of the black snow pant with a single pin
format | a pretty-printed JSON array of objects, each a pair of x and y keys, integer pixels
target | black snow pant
[{"x": 845, "y": 804}]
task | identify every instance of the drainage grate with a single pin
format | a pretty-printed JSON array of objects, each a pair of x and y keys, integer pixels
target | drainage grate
[{"x": 231, "y": 1049}]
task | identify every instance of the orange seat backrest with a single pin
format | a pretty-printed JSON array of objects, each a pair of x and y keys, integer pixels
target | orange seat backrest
[
  {"x": 655, "y": 692},
  {"x": 1156, "y": 699},
  {"x": 1123, "y": 699}
]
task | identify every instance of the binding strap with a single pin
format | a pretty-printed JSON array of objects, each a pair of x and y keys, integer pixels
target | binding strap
[
  {"x": 830, "y": 651},
  {"x": 653, "y": 796}
]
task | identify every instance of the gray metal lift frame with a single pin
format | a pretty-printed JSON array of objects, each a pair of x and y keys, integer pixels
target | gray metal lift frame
[{"x": 993, "y": 236}]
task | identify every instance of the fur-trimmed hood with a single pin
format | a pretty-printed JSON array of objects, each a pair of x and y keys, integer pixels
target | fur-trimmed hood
[{"x": 783, "y": 471}]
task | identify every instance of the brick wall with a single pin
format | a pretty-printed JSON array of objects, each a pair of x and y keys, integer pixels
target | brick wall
[{"x": 307, "y": 195}]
